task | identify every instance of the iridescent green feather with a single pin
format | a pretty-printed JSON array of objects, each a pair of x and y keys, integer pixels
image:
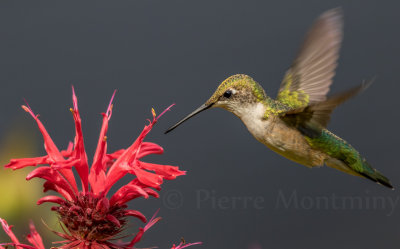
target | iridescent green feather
[
  {"x": 292, "y": 98},
  {"x": 339, "y": 149}
]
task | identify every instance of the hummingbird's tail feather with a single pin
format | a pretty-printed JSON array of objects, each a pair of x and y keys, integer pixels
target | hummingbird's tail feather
[
  {"x": 342, "y": 156},
  {"x": 365, "y": 171},
  {"x": 375, "y": 175}
]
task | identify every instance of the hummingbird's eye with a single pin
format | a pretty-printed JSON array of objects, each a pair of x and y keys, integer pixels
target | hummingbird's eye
[{"x": 228, "y": 94}]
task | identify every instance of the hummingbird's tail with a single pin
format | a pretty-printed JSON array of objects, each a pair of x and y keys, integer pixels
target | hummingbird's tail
[
  {"x": 360, "y": 168},
  {"x": 375, "y": 175},
  {"x": 344, "y": 157}
]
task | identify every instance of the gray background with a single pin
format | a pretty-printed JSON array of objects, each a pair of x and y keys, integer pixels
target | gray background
[{"x": 161, "y": 52}]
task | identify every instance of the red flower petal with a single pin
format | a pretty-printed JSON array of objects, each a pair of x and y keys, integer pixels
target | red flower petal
[
  {"x": 115, "y": 155},
  {"x": 152, "y": 221},
  {"x": 147, "y": 178},
  {"x": 8, "y": 231},
  {"x": 168, "y": 172},
  {"x": 97, "y": 171},
  {"x": 68, "y": 151},
  {"x": 24, "y": 162},
  {"x": 152, "y": 192},
  {"x": 129, "y": 157},
  {"x": 97, "y": 182},
  {"x": 136, "y": 214},
  {"x": 121, "y": 166},
  {"x": 79, "y": 152},
  {"x": 52, "y": 151},
  {"x": 103, "y": 205},
  {"x": 136, "y": 239},
  {"x": 113, "y": 220},
  {"x": 51, "y": 198},
  {"x": 114, "y": 174},
  {"x": 34, "y": 237},
  {"x": 65, "y": 164},
  {"x": 127, "y": 193},
  {"x": 149, "y": 148},
  {"x": 52, "y": 176},
  {"x": 51, "y": 186}
]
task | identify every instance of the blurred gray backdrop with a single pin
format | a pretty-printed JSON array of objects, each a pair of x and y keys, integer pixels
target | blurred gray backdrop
[{"x": 237, "y": 193}]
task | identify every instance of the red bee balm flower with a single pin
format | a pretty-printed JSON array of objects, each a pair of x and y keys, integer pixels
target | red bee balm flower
[{"x": 92, "y": 219}]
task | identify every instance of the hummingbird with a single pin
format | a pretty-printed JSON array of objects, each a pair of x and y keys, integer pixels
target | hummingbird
[{"x": 294, "y": 124}]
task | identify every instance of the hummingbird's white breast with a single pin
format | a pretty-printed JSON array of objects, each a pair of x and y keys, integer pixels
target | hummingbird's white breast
[
  {"x": 278, "y": 136},
  {"x": 252, "y": 116}
]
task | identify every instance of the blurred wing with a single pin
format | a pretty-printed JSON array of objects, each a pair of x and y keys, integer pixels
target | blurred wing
[
  {"x": 309, "y": 78},
  {"x": 316, "y": 116}
]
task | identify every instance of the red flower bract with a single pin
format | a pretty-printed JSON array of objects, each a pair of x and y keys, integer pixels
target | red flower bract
[
  {"x": 91, "y": 218},
  {"x": 33, "y": 238}
]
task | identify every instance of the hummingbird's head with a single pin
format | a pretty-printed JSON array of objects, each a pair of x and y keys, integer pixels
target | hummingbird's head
[{"x": 233, "y": 94}]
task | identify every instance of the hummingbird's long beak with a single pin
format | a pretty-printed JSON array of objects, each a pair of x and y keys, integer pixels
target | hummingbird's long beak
[{"x": 198, "y": 110}]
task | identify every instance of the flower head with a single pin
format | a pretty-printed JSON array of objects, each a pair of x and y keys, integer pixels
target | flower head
[{"x": 92, "y": 217}]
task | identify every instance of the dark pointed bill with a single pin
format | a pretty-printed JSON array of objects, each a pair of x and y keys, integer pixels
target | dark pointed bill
[{"x": 198, "y": 110}]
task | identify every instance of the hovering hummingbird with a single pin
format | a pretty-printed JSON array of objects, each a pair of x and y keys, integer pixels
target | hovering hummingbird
[{"x": 294, "y": 124}]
